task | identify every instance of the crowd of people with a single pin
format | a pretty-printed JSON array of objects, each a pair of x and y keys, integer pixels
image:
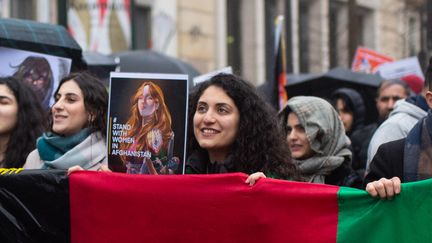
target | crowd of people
[{"x": 231, "y": 128}]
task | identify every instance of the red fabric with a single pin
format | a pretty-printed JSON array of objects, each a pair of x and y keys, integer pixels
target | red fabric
[
  {"x": 115, "y": 207},
  {"x": 415, "y": 82}
]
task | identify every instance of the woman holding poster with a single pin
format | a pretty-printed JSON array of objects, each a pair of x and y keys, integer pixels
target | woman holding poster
[
  {"x": 148, "y": 132},
  {"x": 77, "y": 125}
]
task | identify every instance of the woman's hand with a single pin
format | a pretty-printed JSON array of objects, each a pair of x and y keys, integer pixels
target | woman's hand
[
  {"x": 103, "y": 168},
  {"x": 73, "y": 169},
  {"x": 253, "y": 178},
  {"x": 384, "y": 188}
]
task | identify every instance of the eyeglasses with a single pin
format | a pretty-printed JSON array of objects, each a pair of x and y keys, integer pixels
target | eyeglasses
[{"x": 387, "y": 98}]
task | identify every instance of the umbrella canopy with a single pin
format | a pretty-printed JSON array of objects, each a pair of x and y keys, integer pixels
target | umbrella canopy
[
  {"x": 99, "y": 65},
  {"x": 149, "y": 61},
  {"x": 323, "y": 85},
  {"x": 42, "y": 38}
]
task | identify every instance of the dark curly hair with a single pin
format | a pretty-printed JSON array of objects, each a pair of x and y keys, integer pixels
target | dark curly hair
[
  {"x": 260, "y": 145},
  {"x": 29, "y": 126},
  {"x": 95, "y": 99}
]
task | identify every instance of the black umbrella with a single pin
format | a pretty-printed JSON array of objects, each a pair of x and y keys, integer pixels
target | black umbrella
[
  {"x": 323, "y": 85},
  {"x": 100, "y": 65},
  {"x": 149, "y": 61},
  {"x": 42, "y": 38}
]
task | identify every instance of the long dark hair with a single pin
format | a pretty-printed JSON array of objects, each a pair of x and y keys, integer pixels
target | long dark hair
[
  {"x": 260, "y": 145},
  {"x": 29, "y": 126},
  {"x": 95, "y": 99}
]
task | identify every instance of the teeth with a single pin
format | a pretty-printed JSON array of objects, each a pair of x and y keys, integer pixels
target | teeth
[{"x": 210, "y": 131}]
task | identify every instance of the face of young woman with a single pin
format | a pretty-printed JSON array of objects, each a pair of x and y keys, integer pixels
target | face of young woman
[
  {"x": 346, "y": 116},
  {"x": 147, "y": 104},
  {"x": 68, "y": 113},
  {"x": 297, "y": 140},
  {"x": 216, "y": 120},
  {"x": 8, "y": 110}
]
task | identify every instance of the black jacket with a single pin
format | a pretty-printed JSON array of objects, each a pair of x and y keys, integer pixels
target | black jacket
[
  {"x": 387, "y": 162},
  {"x": 344, "y": 175},
  {"x": 199, "y": 163}
]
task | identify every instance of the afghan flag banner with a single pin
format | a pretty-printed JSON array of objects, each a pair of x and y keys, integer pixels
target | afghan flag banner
[{"x": 44, "y": 206}]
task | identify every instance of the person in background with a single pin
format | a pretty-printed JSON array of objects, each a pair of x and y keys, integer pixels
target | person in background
[
  {"x": 404, "y": 160},
  {"x": 231, "y": 129},
  {"x": 77, "y": 125},
  {"x": 351, "y": 109},
  {"x": 21, "y": 122},
  {"x": 401, "y": 120},
  {"x": 318, "y": 143},
  {"x": 390, "y": 91}
]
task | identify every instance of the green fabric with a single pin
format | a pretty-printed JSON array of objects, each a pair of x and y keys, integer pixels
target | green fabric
[
  {"x": 52, "y": 146},
  {"x": 406, "y": 218}
]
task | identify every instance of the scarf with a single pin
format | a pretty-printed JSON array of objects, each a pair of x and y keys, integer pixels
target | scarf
[
  {"x": 325, "y": 133},
  {"x": 83, "y": 149},
  {"x": 417, "y": 161}
]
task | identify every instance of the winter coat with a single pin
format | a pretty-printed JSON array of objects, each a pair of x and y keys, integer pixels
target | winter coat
[
  {"x": 387, "y": 162},
  {"x": 401, "y": 120},
  {"x": 360, "y": 135}
]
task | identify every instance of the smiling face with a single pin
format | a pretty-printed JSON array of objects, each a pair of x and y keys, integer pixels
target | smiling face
[
  {"x": 297, "y": 141},
  {"x": 147, "y": 104},
  {"x": 216, "y": 121},
  {"x": 8, "y": 110},
  {"x": 69, "y": 113}
]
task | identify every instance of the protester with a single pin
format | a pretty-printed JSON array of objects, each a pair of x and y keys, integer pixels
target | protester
[
  {"x": 21, "y": 122},
  {"x": 231, "y": 129},
  {"x": 404, "y": 116},
  {"x": 77, "y": 126},
  {"x": 388, "y": 93},
  {"x": 404, "y": 160},
  {"x": 351, "y": 109},
  {"x": 317, "y": 141}
]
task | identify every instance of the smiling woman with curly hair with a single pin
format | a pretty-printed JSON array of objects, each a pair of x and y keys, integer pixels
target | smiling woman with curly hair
[{"x": 232, "y": 129}]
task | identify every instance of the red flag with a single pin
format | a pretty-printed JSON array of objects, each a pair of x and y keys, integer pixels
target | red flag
[
  {"x": 116, "y": 207},
  {"x": 280, "y": 62}
]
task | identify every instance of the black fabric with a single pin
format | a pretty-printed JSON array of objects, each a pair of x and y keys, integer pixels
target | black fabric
[
  {"x": 344, "y": 175},
  {"x": 387, "y": 162},
  {"x": 199, "y": 163},
  {"x": 34, "y": 206},
  {"x": 360, "y": 135},
  {"x": 360, "y": 140}
]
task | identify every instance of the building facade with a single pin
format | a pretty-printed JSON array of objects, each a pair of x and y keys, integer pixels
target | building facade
[{"x": 211, "y": 34}]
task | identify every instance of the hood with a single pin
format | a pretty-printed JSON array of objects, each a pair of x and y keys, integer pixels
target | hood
[
  {"x": 403, "y": 106},
  {"x": 355, "y": 101}
]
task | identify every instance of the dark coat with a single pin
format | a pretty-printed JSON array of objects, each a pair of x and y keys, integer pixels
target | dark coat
[
  {"x": 387, "y": 162},
  {"x": 344, "y": 175},
  {"x": 360, "y": 139},
  {"x": 199, "y": 163},
  {"x": 360, "y": 134}
]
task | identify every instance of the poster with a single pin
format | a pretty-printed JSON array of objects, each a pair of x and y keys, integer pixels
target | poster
[
  {"x": 367, "y": 60},
  {"x": 41, "y": 72},
  {"x": 147, "y": 117}
]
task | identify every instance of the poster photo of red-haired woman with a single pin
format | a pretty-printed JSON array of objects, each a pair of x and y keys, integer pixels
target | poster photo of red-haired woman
[{"x": 147, "y": 122}]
